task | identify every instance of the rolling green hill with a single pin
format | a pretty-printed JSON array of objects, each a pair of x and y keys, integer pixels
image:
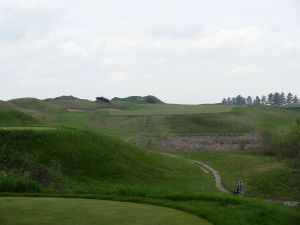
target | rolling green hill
[
  {"x": 6, "y": 105},
  {"x": 11, "y": 117},
  {"x": 34, "y": 104},
  {"x": 149, "y": 99},
  {"x": 86, "y": 161}
]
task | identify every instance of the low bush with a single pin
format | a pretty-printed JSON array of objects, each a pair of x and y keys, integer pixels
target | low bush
[{"x": 284, "y": 144}]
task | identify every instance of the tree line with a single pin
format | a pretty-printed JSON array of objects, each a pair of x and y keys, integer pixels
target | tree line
[{"x": 278, "y": 99}]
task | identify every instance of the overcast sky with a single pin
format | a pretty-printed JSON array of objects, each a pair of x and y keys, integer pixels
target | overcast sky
[{"x": 182, "y": 51}]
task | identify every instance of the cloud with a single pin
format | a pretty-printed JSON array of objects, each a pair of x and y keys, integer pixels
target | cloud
[
  {"x": 38, "y": 81},
  {"x": 219, "y": 39},
  {"x": 72, "y": 50},
  {"x": 223, "y": 37},
  {"x": 117, "y": 77},
  {"x": 242, "y": 70}
]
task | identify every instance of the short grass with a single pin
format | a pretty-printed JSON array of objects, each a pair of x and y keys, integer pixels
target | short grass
[
  {"x": 167, "y": 109},
  {"x": 36, "y": 211},
  {"x": 263, "y": 176},
  {"x": 218, "y": 209},
  {"x": 34, "y": 104},
  {"x": 11, "y": 117}
]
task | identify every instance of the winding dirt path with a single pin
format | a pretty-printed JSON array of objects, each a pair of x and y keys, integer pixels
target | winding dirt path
[
  {"x": 215, "y": 173},
  {"x": 204, "y": 167}
]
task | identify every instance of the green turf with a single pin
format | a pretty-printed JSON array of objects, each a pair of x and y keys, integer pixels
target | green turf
[
  {"x": 37, "y": 211},
  {"x": 167, "y": 109},
  {"x": 263, "y": 176},
  {"x": 11, "y": 117},
  {"x": 34, "y": 104},
  {"x": 89, "y": 162}
]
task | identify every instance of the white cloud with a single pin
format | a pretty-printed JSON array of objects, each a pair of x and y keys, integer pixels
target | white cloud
[
  {"x": 242, "y": 70},
  {"x": 73, "y": 50},
  {"x": 117, "y": 77},
  {"x": 223, "y": 37}
]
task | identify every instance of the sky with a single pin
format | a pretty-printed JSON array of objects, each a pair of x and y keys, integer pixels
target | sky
[{"x": 182, "y": 51}]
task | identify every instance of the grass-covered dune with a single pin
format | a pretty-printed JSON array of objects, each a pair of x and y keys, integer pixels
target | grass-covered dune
[
  {"x": 88, "y": 162},
  {"x": 34, "y": 104},
  {"x": 11, "y": 117}
]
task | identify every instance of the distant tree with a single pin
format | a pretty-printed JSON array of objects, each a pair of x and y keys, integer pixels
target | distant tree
[
  {"x": 102, "y": 99},
  {"x": 239, "y": 100},
  {"x": 282, "y": 99},
  {"x": 276, "y": 99},
  {"x": 296, "y": 100},
  {"x": 224, "y": 101},
  {"x": 263, "y": 100},
  {"x": 229, "y": 101},
  {"x": 256, "y": 101},
  {"x": 249, "y": 100},
  {"x": 233, "y": 101},
  {"x": 289, "y": 98},
  {"x": 270, "y": 99}
]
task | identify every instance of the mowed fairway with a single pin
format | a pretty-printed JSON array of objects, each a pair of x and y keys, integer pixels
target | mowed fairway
[
  {"x": 165, "y": 109},
  {"x": 37, "y": 211}
]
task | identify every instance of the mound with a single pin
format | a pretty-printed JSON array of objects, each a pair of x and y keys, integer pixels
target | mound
[
  {"x": 10, "y": 117},
  {"x": 6, "y": 105},
  {"x": 63, "y": 97},
  {"x": 89, "y": 162},
  {"x": 34, "y": 104},
  {"x": 72, "y": 103},
  {"x": 149, "y": 99}
]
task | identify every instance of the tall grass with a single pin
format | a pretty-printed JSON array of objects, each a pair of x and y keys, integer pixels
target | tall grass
[{"x": 284, "y": 144}]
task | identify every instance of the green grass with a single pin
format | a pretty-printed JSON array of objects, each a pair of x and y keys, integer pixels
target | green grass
[
  {"x": 167, "y": 109},
  {"x": 218, "y": 209},
  {"x": 11, "y": 117},
  {"x": 34, "y": 104},
  {"x": 89, "y": 162},
  {"x": 263, "y": 176},
  {"x": 36, "y": 211}
]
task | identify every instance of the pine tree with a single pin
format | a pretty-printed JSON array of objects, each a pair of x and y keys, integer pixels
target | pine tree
[
  {"x": 282, "y": 99},
  {"x": 289, "y": 98},
  {"x": 256, "y": 101},
  {"x": 233, "y": 101},
  {"x": 276, "y": 99},
  {"x": 229, "y": 101},
  {"x": 239, "y": 100},
  {"x": 296, "y": 100},
  {"x": 263, "y": 100},
  {"x": 270, "y": 99},
  {"x": 249, "y": 100},
  {"x": 224, "y": 101}
]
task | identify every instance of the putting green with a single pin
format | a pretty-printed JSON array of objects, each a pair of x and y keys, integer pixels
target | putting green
[{"x": 59, "y": 211}]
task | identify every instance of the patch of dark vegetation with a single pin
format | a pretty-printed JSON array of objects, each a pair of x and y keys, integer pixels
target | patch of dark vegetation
[
  {"x": 284, "y": 144},
  {"x": 63, "y": 97},
  {"x": 102, "y": 100},
  {"x": 27, "y": 169},
  {"x": 10, "y": 182},
  {"x": 149, "y": 99},
  {"x": 221, "y": 142}
]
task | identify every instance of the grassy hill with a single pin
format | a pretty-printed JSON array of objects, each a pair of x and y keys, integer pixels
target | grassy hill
[
  {"x": 11, "y": 117},
  {"x": 74, "y": 160},
  {"x": 69, "y": 162},
  {"x": 6, "y": 105},
  {"x": 149, "y": 99},
  {"x": 34, "y": 104}
]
